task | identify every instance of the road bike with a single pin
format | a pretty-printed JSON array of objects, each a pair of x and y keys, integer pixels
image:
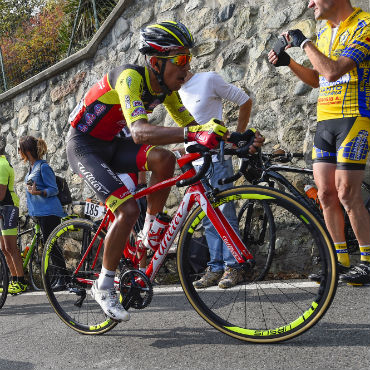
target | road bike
[{"x": 278, "y": 307}]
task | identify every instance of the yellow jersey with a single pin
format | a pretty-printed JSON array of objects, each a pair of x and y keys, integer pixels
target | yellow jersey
[{"x": 349, "y": 96}]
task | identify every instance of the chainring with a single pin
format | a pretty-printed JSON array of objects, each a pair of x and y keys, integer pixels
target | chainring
[{"x": 136, "y": 289}]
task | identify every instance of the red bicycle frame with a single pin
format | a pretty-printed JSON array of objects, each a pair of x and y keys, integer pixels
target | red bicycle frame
[{"x": 195, "y": 194}]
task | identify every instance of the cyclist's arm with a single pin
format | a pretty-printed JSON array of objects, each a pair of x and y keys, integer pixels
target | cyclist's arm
[
  {"x": 144, "y": 133},
  {"x": 331, "y": 69},
  {"x": 308, "y": 75}
]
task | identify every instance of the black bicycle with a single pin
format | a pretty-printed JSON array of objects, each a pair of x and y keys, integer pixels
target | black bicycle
[{"x": 267, "y": 168}]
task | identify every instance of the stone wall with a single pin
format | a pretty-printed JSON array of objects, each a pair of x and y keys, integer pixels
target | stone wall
[{"x": 232, "y": 37}]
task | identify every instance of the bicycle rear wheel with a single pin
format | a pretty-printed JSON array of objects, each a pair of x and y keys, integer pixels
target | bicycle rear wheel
[
  {"x": 284, "y": 304},
  {"x": 68, "y": 291},
  {"x": 258, "y": 232},
  {"x": 4, "y": 279},
  {"x": 34, "y": 268}
]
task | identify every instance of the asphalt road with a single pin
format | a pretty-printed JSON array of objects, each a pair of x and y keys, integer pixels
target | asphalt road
[{"x": 170, "y": 335}]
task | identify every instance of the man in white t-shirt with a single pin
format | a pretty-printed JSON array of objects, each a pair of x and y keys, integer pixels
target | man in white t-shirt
[{"x": 203, "y": 94}]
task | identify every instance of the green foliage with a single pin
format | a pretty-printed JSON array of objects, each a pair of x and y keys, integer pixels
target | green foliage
[
  {"x": 86, "y": 23},
  {"x": 14, "y": 12},
  {"x": 33, "y": 46},
  {"x": 35, "y": 34}
]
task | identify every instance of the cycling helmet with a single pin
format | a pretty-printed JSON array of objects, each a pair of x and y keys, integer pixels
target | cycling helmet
[{"x": 161, "y": 38}]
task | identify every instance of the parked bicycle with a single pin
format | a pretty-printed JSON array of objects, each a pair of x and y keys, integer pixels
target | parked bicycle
[
  {"x": 4, "y": 279},
  {"x": 282, "y": 306},
  {"x": 268, "y": 168}
]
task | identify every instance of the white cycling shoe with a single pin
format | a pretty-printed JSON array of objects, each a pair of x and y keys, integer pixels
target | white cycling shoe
[{"x": 108, "y": 301}]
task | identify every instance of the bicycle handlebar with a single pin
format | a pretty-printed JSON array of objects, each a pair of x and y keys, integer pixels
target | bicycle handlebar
[{"x": 258, "y": 162}]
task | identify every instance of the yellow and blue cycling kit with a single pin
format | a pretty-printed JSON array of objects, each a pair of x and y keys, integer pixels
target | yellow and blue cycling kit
[
  {"x": 343, "y": 108},
  {"x": 349, "y": 96}
]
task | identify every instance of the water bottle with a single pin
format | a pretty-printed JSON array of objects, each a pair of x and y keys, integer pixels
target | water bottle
[
  {"x": 157, "y": 230},
  {"x": 311, "y": 192},
  {"x": 24, "y": 253}
]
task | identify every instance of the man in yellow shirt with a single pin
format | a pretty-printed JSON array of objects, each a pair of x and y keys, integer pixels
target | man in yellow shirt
[{"x": 341, "y": 69}]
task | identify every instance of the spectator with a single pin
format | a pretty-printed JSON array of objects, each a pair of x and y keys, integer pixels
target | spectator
[
  {"x": 9, "y": 203},
  {"x": 42, "y": 190},
  {"x": 202, "y": 94}
]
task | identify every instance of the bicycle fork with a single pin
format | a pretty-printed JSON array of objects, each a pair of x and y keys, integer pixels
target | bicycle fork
[{"x": 226, "y": 232}]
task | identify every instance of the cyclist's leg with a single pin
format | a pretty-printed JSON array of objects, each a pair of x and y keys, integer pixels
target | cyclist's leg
[
  {"x": 324, "y": 154},
  {"x": 10, "y": 249},
  {"x": 161, "y": 162},
  {"x": 324, "y": 175},
  {"x": 97, "y": 163}
]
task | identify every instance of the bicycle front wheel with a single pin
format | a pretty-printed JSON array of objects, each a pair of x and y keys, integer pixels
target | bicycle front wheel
[
  {"x": 285, "y": 303},
  {"x": 4, "y": 279},
  {"x": 69, "y": 269}
]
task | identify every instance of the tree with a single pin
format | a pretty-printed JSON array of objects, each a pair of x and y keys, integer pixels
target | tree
[
  {"x": 33, "y": 46},
  {"x": 14, "y": 12}
]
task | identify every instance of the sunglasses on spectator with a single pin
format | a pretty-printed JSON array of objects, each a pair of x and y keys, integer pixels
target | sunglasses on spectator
[{"x": 179, "y": 60}]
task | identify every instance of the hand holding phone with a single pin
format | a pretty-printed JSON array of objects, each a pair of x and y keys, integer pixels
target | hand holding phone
[{"x": 280, "y": 45}]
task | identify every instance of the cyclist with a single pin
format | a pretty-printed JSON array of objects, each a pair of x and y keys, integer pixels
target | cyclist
[
  {"x": 341, "y": 62},
  {"x": 203, "y": 94},
  {"x": 126, "y": 95},
  {"x": 9, "y": 211}
]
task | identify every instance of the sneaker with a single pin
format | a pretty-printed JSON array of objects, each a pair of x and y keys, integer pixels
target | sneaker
[
  {"x": 358, "y": 275},
  {"x": 109, "y": 302},
  {"x": 340, "y": 268},
  {"x": 210, "y": 278},
  {"x": 16, "y": 287},
  {"x": 231, "y": 277}
]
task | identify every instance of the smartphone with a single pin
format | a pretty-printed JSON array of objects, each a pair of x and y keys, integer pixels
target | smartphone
[
  {"x": 280, "y": 44},
  {"x": 30, "y": 182}
]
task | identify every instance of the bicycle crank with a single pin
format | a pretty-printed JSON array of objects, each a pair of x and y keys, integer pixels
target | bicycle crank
[{"x": 136, "y": 289}]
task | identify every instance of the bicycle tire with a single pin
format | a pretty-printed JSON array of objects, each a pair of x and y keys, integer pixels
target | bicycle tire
[
  {"x": 4, "y": 279},
  {"x": 34, "y": 268},
  {"x": 71, "y": 298},
  {"x": 285, "y": 304},
  {"x": 259, "y": 233}
]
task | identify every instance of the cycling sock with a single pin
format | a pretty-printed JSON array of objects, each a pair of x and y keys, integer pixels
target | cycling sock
[
  {"x": 14, "y": 279},
  {"x": 21, "y": 280},
  {"x": 106, "y": 279},
  {"x": 342, "y": 253},
  {"x": 365, "y": 253},
  {"x": 148, "y": 223}
]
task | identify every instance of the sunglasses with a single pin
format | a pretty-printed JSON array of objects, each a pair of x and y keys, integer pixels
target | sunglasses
[{"x": 180, "y": 60}]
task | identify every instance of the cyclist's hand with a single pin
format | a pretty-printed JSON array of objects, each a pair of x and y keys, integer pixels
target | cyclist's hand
[
  {"x": 297, "y": 38},
  {"x": 277, "y": 56},
  {"x": 283, "y": 59},
  {"x": 248, "y": 142},
  {"x": 209, "y": 134}
]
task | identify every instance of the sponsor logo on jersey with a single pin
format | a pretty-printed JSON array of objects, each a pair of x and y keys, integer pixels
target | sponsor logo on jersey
[
  {"x": 127, "y": 102},
  {"x": 99, "y": 109},
  {"x": 138, "y": 111},
  {"x": 182, "y": 109},
  {"x": 82, "y": 128},
  {"x": 137, "y": 103},
  {"x": 343, "y": 37},
  {"x": 129, "y": 81},
  {"x": 91, "y": 181},
  {"x": 101, "y": 84},
  {"x": 90, "y": 118}
]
